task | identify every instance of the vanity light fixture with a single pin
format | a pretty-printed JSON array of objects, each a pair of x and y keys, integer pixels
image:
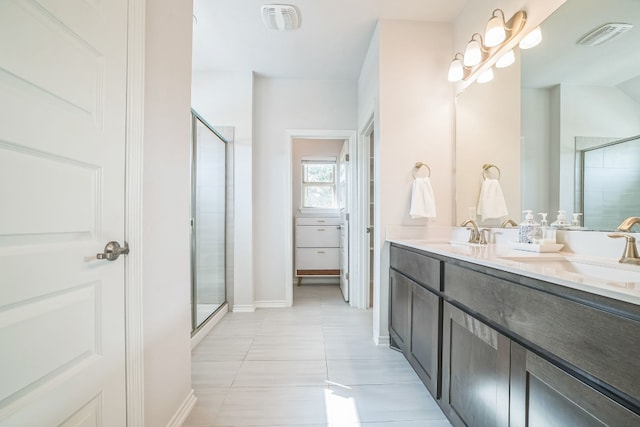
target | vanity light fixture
[
  {"x": 498, "y": 43},
  {"x": 532, "y": 39},
  {"x": 473, "y": 52},
  {"x": 456, "y": 69},
  {"x": 495, "y": 32},
  {"x": 486, "y": 76},
  {"x": 505, "y": 60}
]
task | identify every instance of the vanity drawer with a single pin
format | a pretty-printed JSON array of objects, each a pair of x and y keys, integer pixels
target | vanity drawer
[
  {"x": 318, "y": 220},
  {"x": 317, "y": 259},
  {"x": 317, "y": 236},
  {"x": 419, "y": 267},
  {"x": 592, "y": 339}
]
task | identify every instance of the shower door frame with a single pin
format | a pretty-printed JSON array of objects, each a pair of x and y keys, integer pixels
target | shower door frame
[{"x": 195, "y": 118}]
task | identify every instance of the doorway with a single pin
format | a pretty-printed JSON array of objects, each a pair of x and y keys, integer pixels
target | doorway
[{"x": 294, "y": 181}]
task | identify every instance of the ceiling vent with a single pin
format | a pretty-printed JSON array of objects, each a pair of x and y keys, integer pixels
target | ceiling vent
[
  {"x": 604, "y": 33},
  {"x": 280, "y": 17}
]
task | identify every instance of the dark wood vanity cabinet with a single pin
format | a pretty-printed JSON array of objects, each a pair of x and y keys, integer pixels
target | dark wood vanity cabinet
[
  {"x": 415, "y": 313},
  {"x": 542, "y": 395},
  {"x": 509, "y": 350},
  {"x": 475, "y": 369},
  {"x": 400, "y": 289}
]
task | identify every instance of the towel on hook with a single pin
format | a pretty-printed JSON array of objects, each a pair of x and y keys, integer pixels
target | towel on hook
[
  {"x": 423, "y": 204},
  {"x": 491, "y": 204}
]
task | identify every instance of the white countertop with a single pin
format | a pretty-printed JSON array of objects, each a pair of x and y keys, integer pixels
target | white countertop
[{"x": 556, "y": 267}]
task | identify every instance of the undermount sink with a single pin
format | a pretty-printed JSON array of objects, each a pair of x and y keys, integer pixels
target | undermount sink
[{"x": 620, "y": 274}]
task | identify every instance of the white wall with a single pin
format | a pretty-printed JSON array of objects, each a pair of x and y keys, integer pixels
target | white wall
[
  {"x": 226, "y": 99},
  {"x": 281, "y": 104},
  {"x": 166, "y": 181},
  {"x": 535, "y": 155},
  {"x": 414, "y": 122}
]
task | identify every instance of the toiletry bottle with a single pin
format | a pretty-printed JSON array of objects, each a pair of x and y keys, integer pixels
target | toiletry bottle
[
  {"x": 540, "y": 235},
  {"x": 575, "y": 223},
  {"x": 528, "y": 227},
  {"x": 561, "y": 221}
]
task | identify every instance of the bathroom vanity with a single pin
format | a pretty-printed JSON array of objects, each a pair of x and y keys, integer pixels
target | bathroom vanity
[{"x": 502, "y": 339}]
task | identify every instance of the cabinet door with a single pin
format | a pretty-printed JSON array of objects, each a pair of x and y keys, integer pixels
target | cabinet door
[
  {"x": 426, "y": 309},
  {"x": 546, "y": 396},
  {"x": 399, "y": 309},
  {"x": 475, "y": 371}
]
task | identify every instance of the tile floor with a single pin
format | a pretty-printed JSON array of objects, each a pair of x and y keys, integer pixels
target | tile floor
[{"x": 311, "y": 365}]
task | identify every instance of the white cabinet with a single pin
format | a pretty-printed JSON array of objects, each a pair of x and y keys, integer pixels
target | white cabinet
[{"x": 317, "y": 247}]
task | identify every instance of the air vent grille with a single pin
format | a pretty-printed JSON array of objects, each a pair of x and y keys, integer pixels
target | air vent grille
[
  {"x": 604, "y": 33},
  {"x": 280, "y": 17}
]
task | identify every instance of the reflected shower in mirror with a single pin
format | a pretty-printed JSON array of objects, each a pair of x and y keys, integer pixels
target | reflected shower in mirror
[
  {"x": 609, "y": 176},
  {"x": 208, "y": 242}
]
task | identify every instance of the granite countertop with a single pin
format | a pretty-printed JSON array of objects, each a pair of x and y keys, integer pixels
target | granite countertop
[{"x": 597, "y": 275}]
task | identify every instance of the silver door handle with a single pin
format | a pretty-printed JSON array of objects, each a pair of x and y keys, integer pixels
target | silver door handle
[{"x": 113, "y": 250}]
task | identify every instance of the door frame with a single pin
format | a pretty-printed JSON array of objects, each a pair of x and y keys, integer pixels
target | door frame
[
  {"x": 363, "y": 199},
  {"x": 134, "y": 141},
  {"x": 351, "y": 136}
]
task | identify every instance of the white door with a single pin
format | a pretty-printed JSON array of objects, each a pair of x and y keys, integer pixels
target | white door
[
  {"x": 343, "y": 194},
  {"x": 62, "y": 140}
]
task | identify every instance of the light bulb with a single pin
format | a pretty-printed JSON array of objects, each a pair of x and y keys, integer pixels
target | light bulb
[
  {"x": 495, "y": 33},
  {"x": 456, "y": 71},
  {"x": 532, "y": 39},
  {"x": 472, "y": 54},
  {"x": 505, "y": 60},
  {"x": 486, "y": 76}
]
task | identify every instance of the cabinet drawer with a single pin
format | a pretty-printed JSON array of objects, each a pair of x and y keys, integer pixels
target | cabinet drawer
[
  {"x": 318, "y": 220},
  {"x": 317, "y": 259},
  {"x": 421, "y": 268},
  {"x": 317, "y": 236}
]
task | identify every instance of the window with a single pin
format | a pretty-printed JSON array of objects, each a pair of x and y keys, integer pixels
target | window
[{"x": 318, "y": 182}]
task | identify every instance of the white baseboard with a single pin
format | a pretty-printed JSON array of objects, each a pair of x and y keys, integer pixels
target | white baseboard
[
  {"x": 271, "y": 304},
  {"x": 382, "y": 340},
  {"x": 183, "y": 411},
  {"x": 207, "y": 327},
  {"x": 246, "y": 308}
]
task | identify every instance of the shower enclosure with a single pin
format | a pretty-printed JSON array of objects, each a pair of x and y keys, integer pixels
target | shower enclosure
[{"x": 208, "y": 220}]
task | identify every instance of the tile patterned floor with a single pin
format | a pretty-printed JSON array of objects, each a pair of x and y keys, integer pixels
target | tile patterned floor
[{"x": 311, "y": 365}]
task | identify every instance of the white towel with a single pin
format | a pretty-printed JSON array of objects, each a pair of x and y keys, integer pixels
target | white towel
[
  {"x": 423, "y": 204},
  {"x": 491, "y": 204}
]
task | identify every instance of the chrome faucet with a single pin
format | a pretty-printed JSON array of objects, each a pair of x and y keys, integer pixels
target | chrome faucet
[
  {"x": 630, "y": 254},
  {"x": 628, "y": 223},
  {"x": 475, "y": 236}
]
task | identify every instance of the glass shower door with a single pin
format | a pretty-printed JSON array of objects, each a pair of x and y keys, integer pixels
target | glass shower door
[{"x": 208, "y": 221}]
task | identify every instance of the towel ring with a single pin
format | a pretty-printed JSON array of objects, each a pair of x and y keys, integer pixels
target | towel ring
[
  {"x": 418, "y": 166},
  {"x": 488, "y": 166}
]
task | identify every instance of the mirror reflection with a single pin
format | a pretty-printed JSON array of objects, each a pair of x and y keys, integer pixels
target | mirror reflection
[
  {"x": 573, "y": 101},
  {"x": 578, "y": 97}
]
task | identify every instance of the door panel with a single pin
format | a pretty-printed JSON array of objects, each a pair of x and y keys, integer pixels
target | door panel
[{"x": 62, "y": 118}]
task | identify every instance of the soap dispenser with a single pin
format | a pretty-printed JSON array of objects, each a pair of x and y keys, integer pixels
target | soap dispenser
[
  {"x": 575, "y": 223},
  {"x": 528, "y": 228},
  {"x": 547, "y": 234},
  {"x": 561, "y": 221}
]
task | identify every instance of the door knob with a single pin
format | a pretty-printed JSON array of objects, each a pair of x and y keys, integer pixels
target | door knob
[{"x": 113, "y": 250}]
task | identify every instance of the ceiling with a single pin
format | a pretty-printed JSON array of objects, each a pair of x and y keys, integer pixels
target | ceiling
[
  {"x": 331, "y": 42},
  {"x": 558, "y": 59}
]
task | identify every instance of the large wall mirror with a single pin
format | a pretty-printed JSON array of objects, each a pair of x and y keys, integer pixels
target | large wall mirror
[{"x": 580, "y": 114}]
